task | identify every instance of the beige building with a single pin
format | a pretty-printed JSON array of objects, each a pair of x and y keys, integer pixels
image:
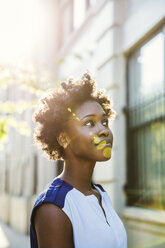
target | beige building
[{"x": 121, "y": 42}]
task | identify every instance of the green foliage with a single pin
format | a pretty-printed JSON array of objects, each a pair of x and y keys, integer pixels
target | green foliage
[{"x": 14, "y": 79}]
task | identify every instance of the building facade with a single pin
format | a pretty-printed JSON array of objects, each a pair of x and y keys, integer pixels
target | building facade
[{"x": 122, "y": 44}]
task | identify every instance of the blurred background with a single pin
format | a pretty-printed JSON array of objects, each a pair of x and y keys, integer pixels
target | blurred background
[{"x": 122, "y": 44}]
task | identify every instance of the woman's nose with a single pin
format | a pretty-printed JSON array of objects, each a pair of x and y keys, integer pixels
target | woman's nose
[{"x": 104, "y": 132}]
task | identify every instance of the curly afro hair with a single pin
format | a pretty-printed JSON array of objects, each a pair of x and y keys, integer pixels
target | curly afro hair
[{"x": 55, "y": 108}]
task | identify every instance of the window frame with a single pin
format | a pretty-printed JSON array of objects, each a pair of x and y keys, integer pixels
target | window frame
[{"x": 131, "y": 172}]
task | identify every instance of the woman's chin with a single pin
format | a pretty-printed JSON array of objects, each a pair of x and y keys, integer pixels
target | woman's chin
[
  {"x": 102, "y": 159},
  {"x": 105, "y": 154}
]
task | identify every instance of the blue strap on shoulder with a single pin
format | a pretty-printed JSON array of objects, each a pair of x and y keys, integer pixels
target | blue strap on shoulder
[{"x": 54, "y": 193}]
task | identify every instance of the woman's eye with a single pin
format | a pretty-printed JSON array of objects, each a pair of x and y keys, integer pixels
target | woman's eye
[
  {"x": 105, "y": 123},
  {"x": 89, "y": 123}
]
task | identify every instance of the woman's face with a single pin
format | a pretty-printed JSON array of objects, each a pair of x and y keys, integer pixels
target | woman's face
[{"x": 89, "y": 133}]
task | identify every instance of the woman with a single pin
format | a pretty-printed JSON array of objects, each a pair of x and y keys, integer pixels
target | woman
[{"x": 72, "y": 211}]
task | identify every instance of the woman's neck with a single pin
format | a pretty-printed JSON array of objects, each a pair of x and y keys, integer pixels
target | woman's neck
[{"x": 78, "y": 172}]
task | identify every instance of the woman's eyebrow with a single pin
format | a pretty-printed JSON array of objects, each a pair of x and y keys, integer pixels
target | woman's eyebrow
[{"x": 91, "y": 115}]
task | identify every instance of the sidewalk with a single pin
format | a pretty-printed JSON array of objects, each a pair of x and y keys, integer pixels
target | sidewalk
[{"x": 10, "y": 238}]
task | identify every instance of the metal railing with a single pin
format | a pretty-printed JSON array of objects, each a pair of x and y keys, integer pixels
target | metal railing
[{"x": 146, "y": 153}]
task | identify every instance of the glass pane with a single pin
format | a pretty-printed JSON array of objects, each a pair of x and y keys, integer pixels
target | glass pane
[
  {"x": 147, "y": 111},
  {"x": 158, "y": 162},
  {"x": 146, "y": 70},
  {"x": 149, "y": 153},
  {"x": 151, "y": 60}
]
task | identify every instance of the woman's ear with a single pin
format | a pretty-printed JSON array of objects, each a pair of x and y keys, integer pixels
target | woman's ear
[{"x": 63, "y": 139}]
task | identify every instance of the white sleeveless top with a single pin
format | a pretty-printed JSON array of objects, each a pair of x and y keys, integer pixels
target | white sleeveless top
[{"x": 90, "y": 226}]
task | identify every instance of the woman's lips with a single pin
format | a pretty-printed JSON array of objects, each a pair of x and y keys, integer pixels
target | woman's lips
[
  {"x": 108, "y": 145},
  {"x": 104, "y": 143}
]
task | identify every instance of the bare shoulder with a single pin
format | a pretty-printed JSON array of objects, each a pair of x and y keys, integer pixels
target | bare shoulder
[{"x": 53, "y": 227}]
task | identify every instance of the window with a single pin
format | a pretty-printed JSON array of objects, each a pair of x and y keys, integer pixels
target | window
[{"x": 146, "y": 124}]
